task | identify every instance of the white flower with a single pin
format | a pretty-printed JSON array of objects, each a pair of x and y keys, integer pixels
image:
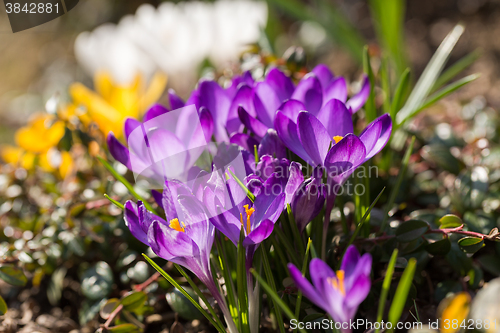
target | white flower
[{"x": 174, "y": 38}]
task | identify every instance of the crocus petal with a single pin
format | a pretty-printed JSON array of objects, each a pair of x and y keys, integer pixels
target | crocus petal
[
  {"x": 131, "y": 217},
  {"x": 376, "y": 135},
  {"x": 214, "y": 98},
  {"x": 118, "y": 151},
  {"x": 175, "y": 101},
  {"x": 169, "y": 243},
  {"x": 130, "y": 125},
  {"x": 350, "y": 260},
  {"x": 287, "y": 131},
  {"x": 272, "y": 145},
  {"x": 357, "y": 294},
  {"x": 357, "y": 101},
  {"x": 207, "y": 124},
  {"x": 306, "y": 287},
  {"x": 336, "y": 90},
  {"x": 314, "y": 138},
  {"x": 343, "y": 158},
  {"x": 291, "y": 108},
  {"x": 169, "y": 152},
  {"x": 280, "y": 83},
  {"x": 363, "y": 267},
  {"x": 153, "y": 112},
  {"x": 266, "y": 102},
  {"x": 309, "y": 92},
  {"x": 323, "y": 74},
  {"x": 336, "y": 118},
  {"x": 295, "y": 178},
  {"x": 321, "y": 272},
  {"x": 242, "y": 98},
  {"x": 254, "y": 125},
  {"x": 245, "y": 141},
  {"x": 259, "y": 234}
]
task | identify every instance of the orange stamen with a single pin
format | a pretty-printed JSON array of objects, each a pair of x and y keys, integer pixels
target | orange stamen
[
  {"x": 174, "y": 224},
  {"x": 249, "y": 213},
  {"x": 337, "y": 138},
  {"x": 337, "y": 282}
]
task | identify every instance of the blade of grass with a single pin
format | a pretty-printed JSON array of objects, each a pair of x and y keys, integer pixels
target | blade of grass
[
  {"x": 385, "y": 286},
  {"x": 304, "y": 269},
  {"x": 176, "y": 285},
  {"x": 241, "y": 285},
  {"x": 363, "y": 219},
  {"x": 456, "y": 69},
  {"x": 295, "y": 229},
  {"x": 283, "y": 240},
  {"x": 272, "y": 284},
  {"x": 446, "y": 91},
  {"x": 114, "y": 202},
  {"x": 200, "y": 294},
  {"x": 386, "y": 84},
  {"x": 275, "y": 297},
  {"x": 402, "y": 291},
  {"x": 395, "y": 190},
  {"x": 399, "y": 93},
  {"x": 250, "y": 195},
  {"x": 226, "y": 273},
  {"x": 125, "y": 182},
  {"x": 429, "y": 76},
  {"x": 370, "y": 110}
]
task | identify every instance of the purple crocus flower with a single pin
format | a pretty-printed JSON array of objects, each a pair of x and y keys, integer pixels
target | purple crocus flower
[
  {"x": 277, "y": 92},
  {"x": 166, "y": 144},
  {"x": 312, "y": 136},
  {"x": 185, "y": 237},
  {"x": 231, "y": 210},
  {"x": 338, "y": 293}
]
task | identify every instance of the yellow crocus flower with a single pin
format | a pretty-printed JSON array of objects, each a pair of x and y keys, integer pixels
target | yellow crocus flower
[
  {"x": 110, "y": 104},
  {"x": 37, "y": 142}
]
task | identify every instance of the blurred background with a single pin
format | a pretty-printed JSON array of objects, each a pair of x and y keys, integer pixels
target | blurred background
[{"x": 41, "y": 61}]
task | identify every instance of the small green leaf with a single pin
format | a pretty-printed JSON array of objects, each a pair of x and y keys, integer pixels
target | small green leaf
[
  {"x": 439, "y": 248},
  {"x": 180, "y": 304},
  {"x": 97, "y": 281},
  {"x": 386, "y": 285},
  {"x": 134, "y": 300},
  {"x": 400, "y": 92},
  {"x": 450, "y": 221},
  {"x": 108, "y": 307},
  {"x": 3, "y": 306},
  {"x": 490, "y": 263},
  {"x": 471, "y": 244},
  {"x": 13, "y": 275},
  {"x": 411, "y": 230},
  {"x": 402, "y": 291},
  {"x": 124, "y": 328}
]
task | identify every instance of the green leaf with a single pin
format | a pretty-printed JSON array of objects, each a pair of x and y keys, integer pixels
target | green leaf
[
  {"x": 249, "y": 194},
  {"x": 445, "y": 92},
  {"x": 411, "y": 230},
  {"x": 471, "y": 244},
  {"x": 400, "y": 92},
  {"x": 440, "y": 247},
  {"x": 241, "y": 284},
  {"x": 134, "y": 300},
  {"x": 490, "y": 263},
  {"x": 450, "y": 221},
  {"x": 3, "y": 306},
  {"x": 13, "y": 275},
  {"x": 108, "y": 307},
  {"x": 275, "y": 297},
  {"x": 54, "y": 290},
  {"x": 178, "y": 287},
  {"x": 124, "y": 328},
  {"x": 429, "y": 76},
  {"x": 113, "y": 201},
  {"x": 456, "y": 69},
  {"x": 97, "y": 281},
  {"x": 272, "y": 284},
  {"x": 399, "y": 180},
  {"x": 370, "y": 108},
  {"x": 402, "y": 291},
  {"x": 386, "y": 286},
  {"x": 304, "y": 269}
]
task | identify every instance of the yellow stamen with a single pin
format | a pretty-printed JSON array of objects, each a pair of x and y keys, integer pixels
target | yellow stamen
[
  {"x": 337, "y": 138},
  {"x": 338, "y": 282},
  {"x": 249, "y": 213},
  {"x": 174, "y": 224}
]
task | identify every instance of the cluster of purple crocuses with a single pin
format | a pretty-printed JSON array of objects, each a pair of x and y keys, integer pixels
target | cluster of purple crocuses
[{"x": 252, "y": 132}]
